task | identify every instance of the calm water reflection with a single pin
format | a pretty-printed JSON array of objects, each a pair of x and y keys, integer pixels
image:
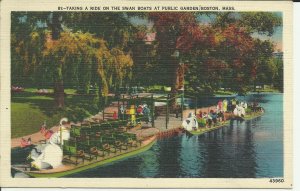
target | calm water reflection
[{"x": 248, "y": 149}]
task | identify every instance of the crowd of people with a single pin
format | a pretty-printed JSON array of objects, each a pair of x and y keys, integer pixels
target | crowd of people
[
  {"x": 218, "y": 115},
  {"x": 135, "y": 113}
]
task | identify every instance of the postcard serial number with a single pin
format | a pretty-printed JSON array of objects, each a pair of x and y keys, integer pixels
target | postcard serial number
[{"x": 276, "y": 180}]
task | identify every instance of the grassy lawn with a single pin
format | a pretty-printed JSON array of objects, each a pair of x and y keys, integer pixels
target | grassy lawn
[
  {"x": 224, "y": 92},
  {"x": 268, "y": 89},
  {"x": 27, "y": 119},
  {"x": 30, "y": 110},
  {"x": 34, "y": 90}
]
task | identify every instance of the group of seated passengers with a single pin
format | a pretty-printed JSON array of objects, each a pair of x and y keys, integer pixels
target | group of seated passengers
[
  {"x": 255, "y": 107},
  {"x": 212, "y": 118}
]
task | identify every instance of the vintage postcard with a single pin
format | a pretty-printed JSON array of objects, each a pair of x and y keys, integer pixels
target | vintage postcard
[{"x": 146, "y": 94}]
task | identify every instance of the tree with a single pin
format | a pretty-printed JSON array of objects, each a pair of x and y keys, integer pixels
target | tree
[
  {"x": 177, "y": 33},
  {"x": 278, "y": 78},
  {"x": 59, "y": 94},
  {"x": 27, "y": 41},
  {"x": 71, "y": 67},
  {"x": 264, "y": 70},
  {"x": 245, "y": 59},
  {"x": 144, "y": 54}
]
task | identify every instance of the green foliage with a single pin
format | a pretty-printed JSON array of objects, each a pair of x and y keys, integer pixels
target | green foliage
[
  {"x": 26, "y": 45},
  {"x": 253, "y": 22},
  {"x": 76, "y": 114},
  {"x": 261, "y": 22},
  {"x": 108, "y": 51},
  {"x": 278, "y": 77}
]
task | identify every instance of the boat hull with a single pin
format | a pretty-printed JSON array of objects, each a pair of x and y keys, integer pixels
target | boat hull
[
  {"x": 206, "y": 130},
  {"x": 77, "y": 169}
]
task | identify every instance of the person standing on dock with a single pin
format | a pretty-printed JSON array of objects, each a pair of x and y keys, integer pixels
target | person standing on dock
[
  {"x": 146, "y": 112},
  {"x": 233, "y": 103},
  {"x": 132, "y": 113},
  {"x": 121, "y": 112}
]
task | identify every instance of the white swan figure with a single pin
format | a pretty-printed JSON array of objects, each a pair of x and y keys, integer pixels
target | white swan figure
[
  {"x": 50, "y": 155},
  {"x": 239, "y": 111},
  {"x": 55, "y": 138},
  {"x": 190, "y": 123}
]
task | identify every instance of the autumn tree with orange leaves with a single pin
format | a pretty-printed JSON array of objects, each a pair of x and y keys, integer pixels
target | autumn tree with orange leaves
[{"x": 219, "y": 54}]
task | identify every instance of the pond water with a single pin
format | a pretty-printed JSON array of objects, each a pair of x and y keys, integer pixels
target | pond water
[{"x": 241, "y": 150}]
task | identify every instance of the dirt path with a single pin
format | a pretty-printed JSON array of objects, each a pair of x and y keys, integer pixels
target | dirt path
[{"x": 35, "y": 138}]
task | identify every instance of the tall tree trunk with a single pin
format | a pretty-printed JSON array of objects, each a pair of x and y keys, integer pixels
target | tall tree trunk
[{"x": 59, "y": 94}]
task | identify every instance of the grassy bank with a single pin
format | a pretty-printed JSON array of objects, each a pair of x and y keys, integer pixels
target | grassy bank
[
  {"x": 27, "y": 119},
  {"x": 29, "y": 110}
]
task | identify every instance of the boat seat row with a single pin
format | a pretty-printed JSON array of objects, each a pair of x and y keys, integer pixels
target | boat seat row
[{"x": 101, "y": 146}]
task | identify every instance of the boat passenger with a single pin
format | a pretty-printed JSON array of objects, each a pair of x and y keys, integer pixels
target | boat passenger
[
  {"x": 205, "y": 118},
  {"x": 214, "y": 117},
  {"x": 47, "y": 133},
  {"x": 245, "y": 105},
  {"x": 25, "y": 143},
  {"x": 201, "y": 120},
  {"x": 221, "y": 117},
  {"x": 139, "y": 110},
  {"x": 233, "y": 102},
  {"x": 225, "y": 104},
  {"x": 211, "y": 118},
  {"x": 220, "y": 106},
  {"x": 200, "y": 115}
]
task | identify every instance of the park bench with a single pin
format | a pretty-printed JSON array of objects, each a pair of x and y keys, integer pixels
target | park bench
[
  {"x": 70, "y": 149},
  {"x": 111, "y": 141}
]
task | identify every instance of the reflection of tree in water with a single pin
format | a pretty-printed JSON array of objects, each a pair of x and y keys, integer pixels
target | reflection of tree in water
[
  {"x": 214, "y": 157},
  {"x": 246, "y": 154},
  {"x": 229, "y": 156},
  {"x": 190, "y": 156},
  {"x": 149, "y": 166},
  {"x": 169, "y": 164}
]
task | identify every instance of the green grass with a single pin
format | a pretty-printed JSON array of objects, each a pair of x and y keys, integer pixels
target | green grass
[
  {"x": 157, "y": 89},
  {"x": 268, "y": 89},
  {"x": 224, "y": 92},
  {"x": 27, "y": 119},
  {"x": 30, "y": 110},
  {"x": 34, "y": 90}
]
